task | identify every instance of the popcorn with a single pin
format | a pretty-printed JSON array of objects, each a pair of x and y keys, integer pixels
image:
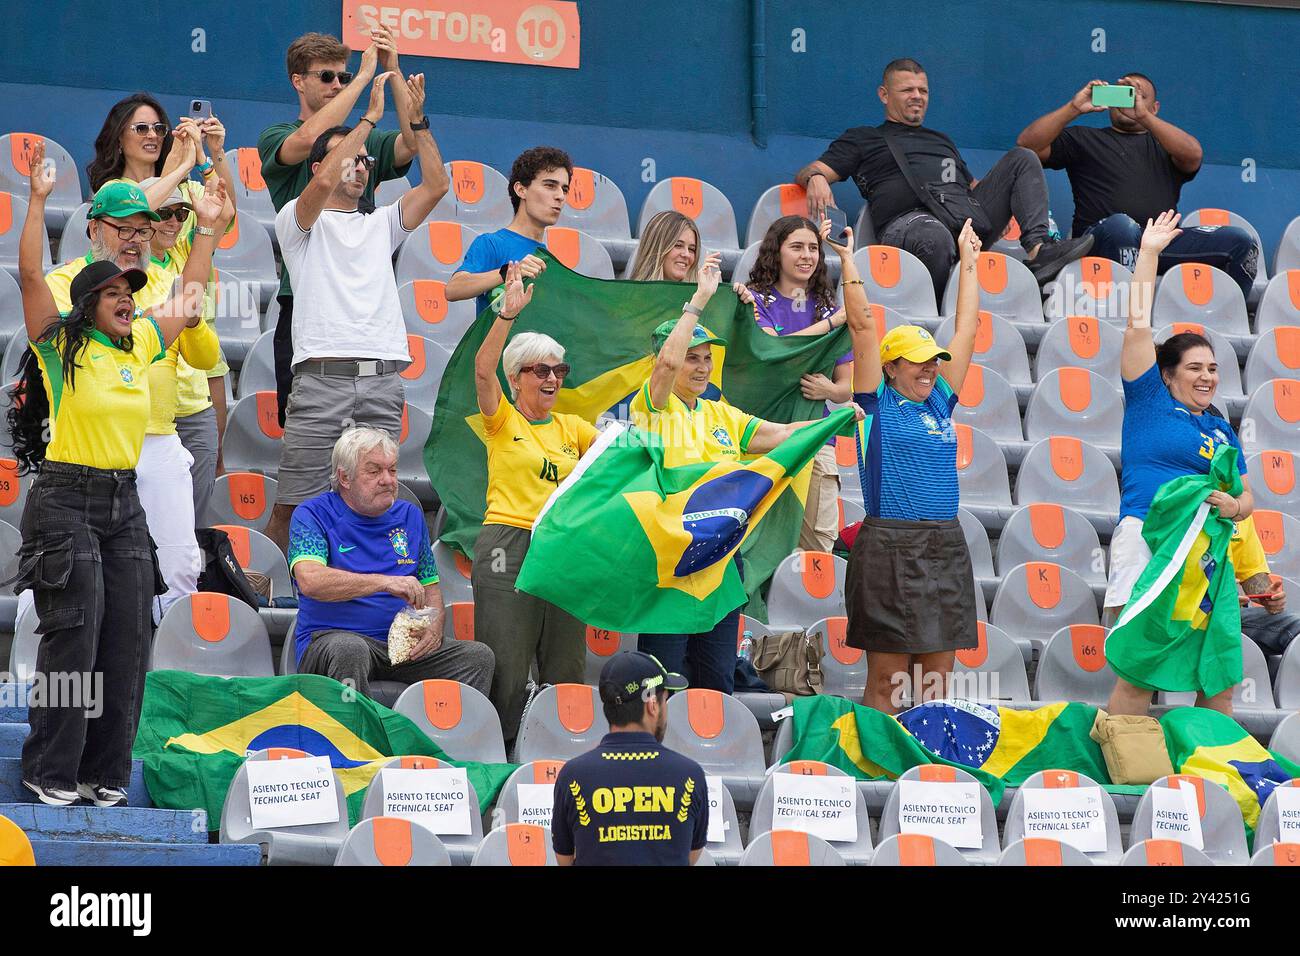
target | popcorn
[{"x": 406, "y": 631}]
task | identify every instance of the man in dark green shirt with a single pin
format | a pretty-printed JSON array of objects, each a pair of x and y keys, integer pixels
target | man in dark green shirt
[{"x": 327, "y": 93}]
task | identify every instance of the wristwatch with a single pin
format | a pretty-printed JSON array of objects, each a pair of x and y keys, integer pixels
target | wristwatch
[
  {"x": 423, "y": 124},
  {"x": 688, "y": 307},
  {"x": 205, "y": 230}
]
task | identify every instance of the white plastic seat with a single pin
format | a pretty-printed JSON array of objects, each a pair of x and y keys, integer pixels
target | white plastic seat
[
  {"x": 1272, "y": 416},
  {"x": 697, "y": 200},
  {"x": 254, "y": 436},
  {"x": 256, "y": 552},
  {"x": 1069, "y": 471},
  {"x": 516, "y": 844},
  {"x": 1286, "y": 686},
  {"x": 562, "y": 721},
  {"x": 1280, "y": 303},
  {"x": 745, "y": 264},
  {"x": 994, "y": 669},
  {"x": 986, "y": 854},
  {"x": 74, "y": 243},
  {"x": 982, "y": 475},
  {"x": 1286, "y": 738},
  {"x": 601, "y": 646},
  {"x": 1040, "y": 852},
  {"x": 258, "y": 371},
  {"x": 433, "y": 251},
  {"x": 213, "y": 634},
  {"x": 1268, "y": 826},
  {"x": 1164, "y": 853},
  {"x": 1077, "y": 403},
  {"x": 479, "y": 197},
  {"x": 722, "y": 736},
  {"x": 15, "y": 168},
  {"x": 999, "y": 346},
  {"x": 1081, "y": 341},
  {"x": 537, "y": 773},
  {"x": 245, "y": 253},
  {"x": 453, "y": 573},
  {"x": 456, "y": 717},
  {"x": 1090, "y": 286},
  {"x": 786, "y": 199},
  {"x": 391, "y": 841},
  {"x": 790, "y": 848},
  {"x": 807, "y": 586},
  {"x": 243, "y": 498},
  {"x": 856, "y": 853},
  {"x": 1226, "y": 217},
  {"x": 1059, "y": 780},
  {"x": 1275, "y": 354},
  {"x": 423, "y": 377},
  {"x": 1037, "y": 599},
  {"x": 1279, "y": 854},
  {"x": 1051, "y": 532},
  {"x": 11, "y": 308},
  {"x": 1195, "y": 292},
  {"x": 460, "y": 846},
  {"x": 917, "y": 849},
  {"x": 427, "y": 312},
  {"x": 844, "y": 668},
  {"x": 1007, "y": 288},
  {"x": 13, "y": 213},
  {"x": 13, "y": 492},
  {"x": 251, "y": 195},
  {"x": 1222, "y": 829},
  {"x": 315, "y": 844},
  {"x": 897, "y": 280},
  {"x": 579, "y": 251},
  {"x": 414, "y": 435},
  {"x": 1280, "y": 535},
  {"x": 988, "y": 402},
  {"x": 596, "y": 205}
]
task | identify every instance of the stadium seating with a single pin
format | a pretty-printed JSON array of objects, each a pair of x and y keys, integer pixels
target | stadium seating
[
  {"x": 1280, "y": 304},
  {"x": 1090, "y": 286},
  {"x": 699, "y": 201},
  {"x": 718, "y": 732},
  {"x": 596, "y": 205},
  {"x": 787, "y": 199},
  {"x": 423, "y": 376},
  {"x": 455, "y": 716},
  {"x": 1280, "y": 535},
  {"x": 1226, "y": 217},
  {"x": 579, "y": 251},
  {"x": 844, "y": 668},
  {"x": 999, "y": 662},
  {"x": 453, "y": 573},
  {"x": 416, "y": 424},
  {"x": 916, "y": 849},
  {"x": 1252, "y": 699},
  {"x": 728, "y": 850},
  {"x": 243, "y": 498},
  {"x": 940, "y": 773},
  {"x": 1279, "y": 854},
  {"x": 1194, "y": 292},
  {"x": 1275, "y": 354},
  {"x": 314, "y": 844},
  {"x": 856, "y": 853},
  {"x": 14, "y": 353},
  {"x": 460, "y": 620},
  {"x": 538, "y": 773},
  {"x": 1286, "y": 738},
  {"x": 11, "y": 308},
  {"x": 1007, "y": 288},
  {"x": 433, "y": 251},
  {"x": 899, "y": 281},
  {"x": 13, "y": 494},
  {"x": 391, "y": 190},
  {"x": 1222, "y": 829},
  {"x": 982, "y": 476},
  {"x": 256, "y": 552},
  {"x": 1164, "y": 853},
  {"x": 258, "y": 371},
  {"x": 1036, "y": 851},
  {"x": 1268, "y": 826},
  {"x": 601, "y": 646},
  {"x": 251, "y": 195},
  {"x": 1071, "y": 472},
  {"x": 1073, "y": 667},
  {"x": 790, "y": 848},
  {"x": 236, "y": 317},
  {"x": 1049, "y": 532},
  {"x": 13, "y": 213},
  {"x": 1009, "y": 242},
  {"x": 999, "y": 346},
  {"x": 1288, "y": 250},
  {"x": 213, "y": 634},
  {"x": 516, "y": 844},
  {"x": 460, "y": 846},
  {"x": 74, "y": 243},
  {"x": 745, "y": 264},
  {"x": 246, "y": 255},
  {"x": 807, "y": 586},
  {"x": 981, "y": 552},
  {"x": 15, "y": 168},
  {"x": 254, "y": 436},
  {"x": 988, "y": 402},
  {"x": 864, "y": 230},
  {"x": 1037, "y": 599},
  {"x": 1060, "y": 779},
  {"x": 1081, "y": 341},
  {"x": 1271, "y": 416},
  {"x": 1077, "y": 403},
  {"x": 851, "y": 512},
  {"x": 479, "y": 197},
  {"x": 391, "y": 841},
  {"x": 562, "y": 721},
  {"x": 1286, "y": 686},
  {"x": 428, "y": 313}
]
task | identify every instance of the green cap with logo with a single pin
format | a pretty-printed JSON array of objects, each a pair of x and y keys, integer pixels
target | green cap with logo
[
  {"x": 700, "y": 336},
  {"x": 120, "y": 199}
]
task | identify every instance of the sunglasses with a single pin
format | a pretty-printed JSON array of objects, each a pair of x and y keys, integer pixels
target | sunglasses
[
  {"x": 543, "y": 372},
  {"x": 179, "y": 213},
  {"x": 366, "y": 161},
  {"x": 328, "y": 76},
  {"x": 144, "y": 129}
]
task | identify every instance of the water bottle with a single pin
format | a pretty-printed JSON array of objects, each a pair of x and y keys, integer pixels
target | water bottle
[
  {"x": 1053, "y": 231},
  {"x": 746, "y": 651}
]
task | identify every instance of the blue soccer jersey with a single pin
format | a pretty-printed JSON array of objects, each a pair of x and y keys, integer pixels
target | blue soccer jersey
[
  {"x": 492, "y": 250},
  {"x": 327, "y": 531},
  {"x": 907, "y": 454}
]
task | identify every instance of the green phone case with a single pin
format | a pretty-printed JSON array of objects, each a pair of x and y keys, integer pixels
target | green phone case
[{"x": 1117, "y": 95}]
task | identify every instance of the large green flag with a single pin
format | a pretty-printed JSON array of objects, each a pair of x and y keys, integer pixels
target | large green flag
[
  {"x": 195, "y": 732},
  {"x": 605, "y": 328},
  {"x": 665, "y": 535},
  {"x": 1181, "y": 629}
]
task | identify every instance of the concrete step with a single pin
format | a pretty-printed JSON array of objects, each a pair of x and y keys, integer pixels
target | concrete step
[
  {"x": 13, "y": 791},
  {"x": 87, "y": 823},
  {"x": 11, "y": 714},
  {"x": 11, "y": 739},
  {"x": 93, "y": 853}
]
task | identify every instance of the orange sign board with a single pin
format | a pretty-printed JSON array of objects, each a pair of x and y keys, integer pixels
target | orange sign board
[{"x": 531, "y": 32}]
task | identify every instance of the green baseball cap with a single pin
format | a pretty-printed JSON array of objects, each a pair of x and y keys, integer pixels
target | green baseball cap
[
  {"x": 701, "y": 336},
  {"x": 118, "y": 200}
]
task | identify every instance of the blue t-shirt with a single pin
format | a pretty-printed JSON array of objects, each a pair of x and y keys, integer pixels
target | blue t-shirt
[
  {"x": 327, "y": 531},
  {"x": 630, "y": 802},
  {"x": 492, "y": 250},
  {"x": 907, "y": 454},
  {"x": 1164, "y": 440}
]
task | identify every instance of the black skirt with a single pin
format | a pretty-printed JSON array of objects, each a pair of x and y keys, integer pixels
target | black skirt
[{"x": 910, "y": 588}]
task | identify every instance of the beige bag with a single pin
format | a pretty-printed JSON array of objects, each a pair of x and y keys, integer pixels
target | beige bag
[
  {"x": 261, "y": 583},
  {"x": 790, "y": 662},
  {"x": 1133, "y": 747}
]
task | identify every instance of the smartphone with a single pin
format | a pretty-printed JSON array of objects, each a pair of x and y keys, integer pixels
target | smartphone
[
  {"x": 200, "y": 110},
  {"x": 1271, "y": 595},
  {"x": 1119, "y": 94},
  {"x": 839, "y": 222}
]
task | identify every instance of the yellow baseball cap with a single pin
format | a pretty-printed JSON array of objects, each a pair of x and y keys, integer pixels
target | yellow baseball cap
[{"x": 912, "y": 343}]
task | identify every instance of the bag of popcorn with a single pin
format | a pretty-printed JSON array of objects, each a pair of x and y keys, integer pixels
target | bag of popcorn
[{"x": 406, "y": 631}]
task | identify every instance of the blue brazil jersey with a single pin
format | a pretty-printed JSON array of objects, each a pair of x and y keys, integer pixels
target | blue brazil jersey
[
  {"x": 492, "y": 250},
  {"x": 1163, "y": 440},
  {"x": 327, "y": 531},
  {"x": 907, "y": 454},
  {"x": 630, "y": 802}
]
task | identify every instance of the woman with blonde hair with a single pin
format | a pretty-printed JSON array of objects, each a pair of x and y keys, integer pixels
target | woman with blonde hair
[{"x": 669, "y": 250}]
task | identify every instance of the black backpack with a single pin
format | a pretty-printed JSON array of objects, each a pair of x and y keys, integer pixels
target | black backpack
[{"x": 221, "y": 572}]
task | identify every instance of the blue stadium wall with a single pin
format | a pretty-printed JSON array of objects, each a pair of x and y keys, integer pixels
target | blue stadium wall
[{"x": 670, "y": 81}]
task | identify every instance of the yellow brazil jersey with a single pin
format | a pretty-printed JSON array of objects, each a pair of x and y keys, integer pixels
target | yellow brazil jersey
[
  {"x": 199, "y": 346},
  {"x": 156, "y": 291},
  {"x": 711, "y": 431},
  {"x": 1247, "y": 551},
  {"x": 98, "y": 418},
  {"x": 191, "y": 394},
  {"x": 528, "y": 460}
]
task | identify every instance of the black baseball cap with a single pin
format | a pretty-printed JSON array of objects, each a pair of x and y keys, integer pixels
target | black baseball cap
[
  {"x": 628, "y": 673},
  {"x": 99, "y": 274}
]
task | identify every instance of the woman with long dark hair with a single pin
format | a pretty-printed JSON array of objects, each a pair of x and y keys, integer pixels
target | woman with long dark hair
[
  {"x": 79, "y": 419},
  {"x": 793, "y": 295}
]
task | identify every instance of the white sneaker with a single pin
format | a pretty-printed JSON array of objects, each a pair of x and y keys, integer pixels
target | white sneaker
[
  {"x": 52, "y": 797},
  {"x": 102, "y": 796}
]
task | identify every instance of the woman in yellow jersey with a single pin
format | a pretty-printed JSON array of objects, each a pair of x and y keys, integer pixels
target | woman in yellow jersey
[
  {"x": 79, "y": 419},
  {"x": 695, "y": 429},
  {"x": 530, "y": 450}
]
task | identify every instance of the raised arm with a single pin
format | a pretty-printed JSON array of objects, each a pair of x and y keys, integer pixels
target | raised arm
[
  {"x": 1040, "y": 134},
  {"x": 297, "y": 145},
  {"x": 407, "y": 146},
  {"x": 185, "y": 307},
  {"x": 341, "y": 160},
  {"x": 176, "y": 170},
  {"x": 39, "y": 308},
  {"x": 212, "y": 137},
  {"x": 486, "y": 384},
  {"x": 962, "y": 346},
  {"x": 1183, "y": 148},
  {"x": 419, "y": 201},
  {"x": 1139, "y": 352},
  {"x": 816, "y": 179},
  {"x": 673, "y": 354},
  {"x": 862, "y": 326}
]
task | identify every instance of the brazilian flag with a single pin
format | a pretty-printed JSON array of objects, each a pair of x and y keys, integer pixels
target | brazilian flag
[
  {"x": 605, "y": 328},
  {"x": 195, "y": 732},
  {"x": 666, "y": 536}
]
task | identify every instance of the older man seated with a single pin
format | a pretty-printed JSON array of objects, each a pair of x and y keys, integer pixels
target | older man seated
[{"x": 359, "y": 556}]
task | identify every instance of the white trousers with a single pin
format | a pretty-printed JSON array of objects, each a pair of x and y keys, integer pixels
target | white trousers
[{"x": 167, "y": 495}]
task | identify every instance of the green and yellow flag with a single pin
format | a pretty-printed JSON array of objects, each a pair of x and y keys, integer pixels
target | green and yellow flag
[
  {"x": 1181, "y": 629},
  {"x": 605, "y": 328},
  {"x": 195, "y": 732},
  {"x": 666, "y": 536}
]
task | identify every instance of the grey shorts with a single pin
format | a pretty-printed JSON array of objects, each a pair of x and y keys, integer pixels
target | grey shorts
[{"x": 320, "y": 408}]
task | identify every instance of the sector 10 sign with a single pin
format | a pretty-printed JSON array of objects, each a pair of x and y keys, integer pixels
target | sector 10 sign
[{"x": 533, "y": 32}]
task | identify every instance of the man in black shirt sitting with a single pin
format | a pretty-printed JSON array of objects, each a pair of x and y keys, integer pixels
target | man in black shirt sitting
[
  {"x": 631, "y": 801},
  {"x": 909, "y": 211},
  {"x": 1131, "y": 171}
]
